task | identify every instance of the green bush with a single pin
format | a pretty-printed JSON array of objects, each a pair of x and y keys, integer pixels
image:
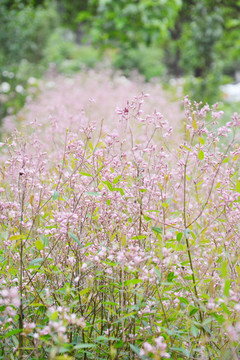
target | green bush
[
  {"x": 206, "y": 88},
  {"x": 69, "y": 57},
  {"x": 24, "y": 32},
  {"x": 16, "y": 83},
  {"x": 147, "y": 60}
]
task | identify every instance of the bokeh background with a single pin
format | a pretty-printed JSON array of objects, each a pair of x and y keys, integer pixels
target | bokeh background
[{"x": 189, "y": 46}]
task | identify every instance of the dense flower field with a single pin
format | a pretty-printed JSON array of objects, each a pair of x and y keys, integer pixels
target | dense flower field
[{"x": 119, "y": 236}]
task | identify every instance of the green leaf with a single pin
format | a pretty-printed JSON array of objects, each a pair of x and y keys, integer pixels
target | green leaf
[
  {"x": 238, "y": 186},
  {"x": 227, "y": 287},
  {"x": 201, "y": 155},
  {"x": 92, "y": 193},
  {"x": 207, "y": 321},
  {"x": 193, "y": 311},
  {"x": 139, "y": 237},
  {"x": 179, "y": 236},
  {"x": 110, "y": 303},
  {"x": 84, "y": 346},
  {"x": 45, "y": 240},
  {"x": 105, "y": 338},
  {"x": 170, "y": 276},
  {"x": 116, "y": 180},
  {"x": 157, "y": 229},
  {"x": 194, "y": 331},
  {"x": 75, "y": 239},
  {"x": 119, "y": 344},
  {"x": 158, "y": 274},
  {"x": 109, "y": 185},
  {"x": 194, "y": 124},
  {"x": 183, "y": 300},
  {"x": 39, "y": 245},
  {"x": 120, "y": 190},
  {"x": 36, "y": 262},
  {"x": 187, "y": 148},
  {"x": 182, "y": 351},
  {"x": 54, "y": 316},
  {"x": 12, "y": 332},
  {"x": 55, "y": 195},
  {"x": 193, "y": 235},
  {"x": 109, "y": 263},
  {"x": 201, "y": 140},
  {"x": 220, "y": 318},
  {"x": 224, "y": 269},
  {"x": 84, "y": 174},
  {"x": 84, "y": 291},
  {"x": 133, "y": 281},
  {"x": 147, "y": 218},
  {"x": 165, "y": 205},
  {"x": 130, "y": 314},
  {"x": 136, "y": 350},
  {"x": 225, "y": 309},
  {"x": 16, "y": 237},
  {"x": 37, "y": 305},
  {"x": 188, "y": 277}
]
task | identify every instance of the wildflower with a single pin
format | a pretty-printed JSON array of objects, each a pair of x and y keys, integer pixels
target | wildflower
[
  {"x": 19, "y": 89},
  {"x": 5, "y": 87},
  {"x": 32, "y": 81}
]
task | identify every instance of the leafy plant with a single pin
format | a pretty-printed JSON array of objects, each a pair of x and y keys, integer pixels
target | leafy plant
[
  {"x": 115, "y": 245},
  {"x": 69, "y": 57},
  {"x": 148, "y": 61}
]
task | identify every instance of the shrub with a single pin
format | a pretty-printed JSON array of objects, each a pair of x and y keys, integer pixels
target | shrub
[
  {"x": 69, "y": 57},
  {"x": 118, "y": 246},
  {"x": 24, "y": 31},
  {"x": 147, "y": 60},
  {"x": 16, "y": 85}
]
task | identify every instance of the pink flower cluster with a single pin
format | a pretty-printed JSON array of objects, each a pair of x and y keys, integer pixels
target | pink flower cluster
[
  {"x": 119, "y": 225},
  {"x": 159, "y": 350},
  {"x": 9, "y": 300}
]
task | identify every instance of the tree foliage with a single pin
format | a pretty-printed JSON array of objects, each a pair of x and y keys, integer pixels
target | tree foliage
[
  {"x": 198, "y": 38},
  {"x": 24, "y": 30},
  {"x": 131, "y": 23}
]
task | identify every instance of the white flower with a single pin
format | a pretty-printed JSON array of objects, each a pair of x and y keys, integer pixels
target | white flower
[
  {"x": 32, "y": 80},
  {"x": 5, "y": 87},
  {"x": 19, "y": 89},
  {"x": 84, "y": 266}
]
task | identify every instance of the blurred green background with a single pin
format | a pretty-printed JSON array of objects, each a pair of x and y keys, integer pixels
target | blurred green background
[{"x": 191, "y": 44}]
